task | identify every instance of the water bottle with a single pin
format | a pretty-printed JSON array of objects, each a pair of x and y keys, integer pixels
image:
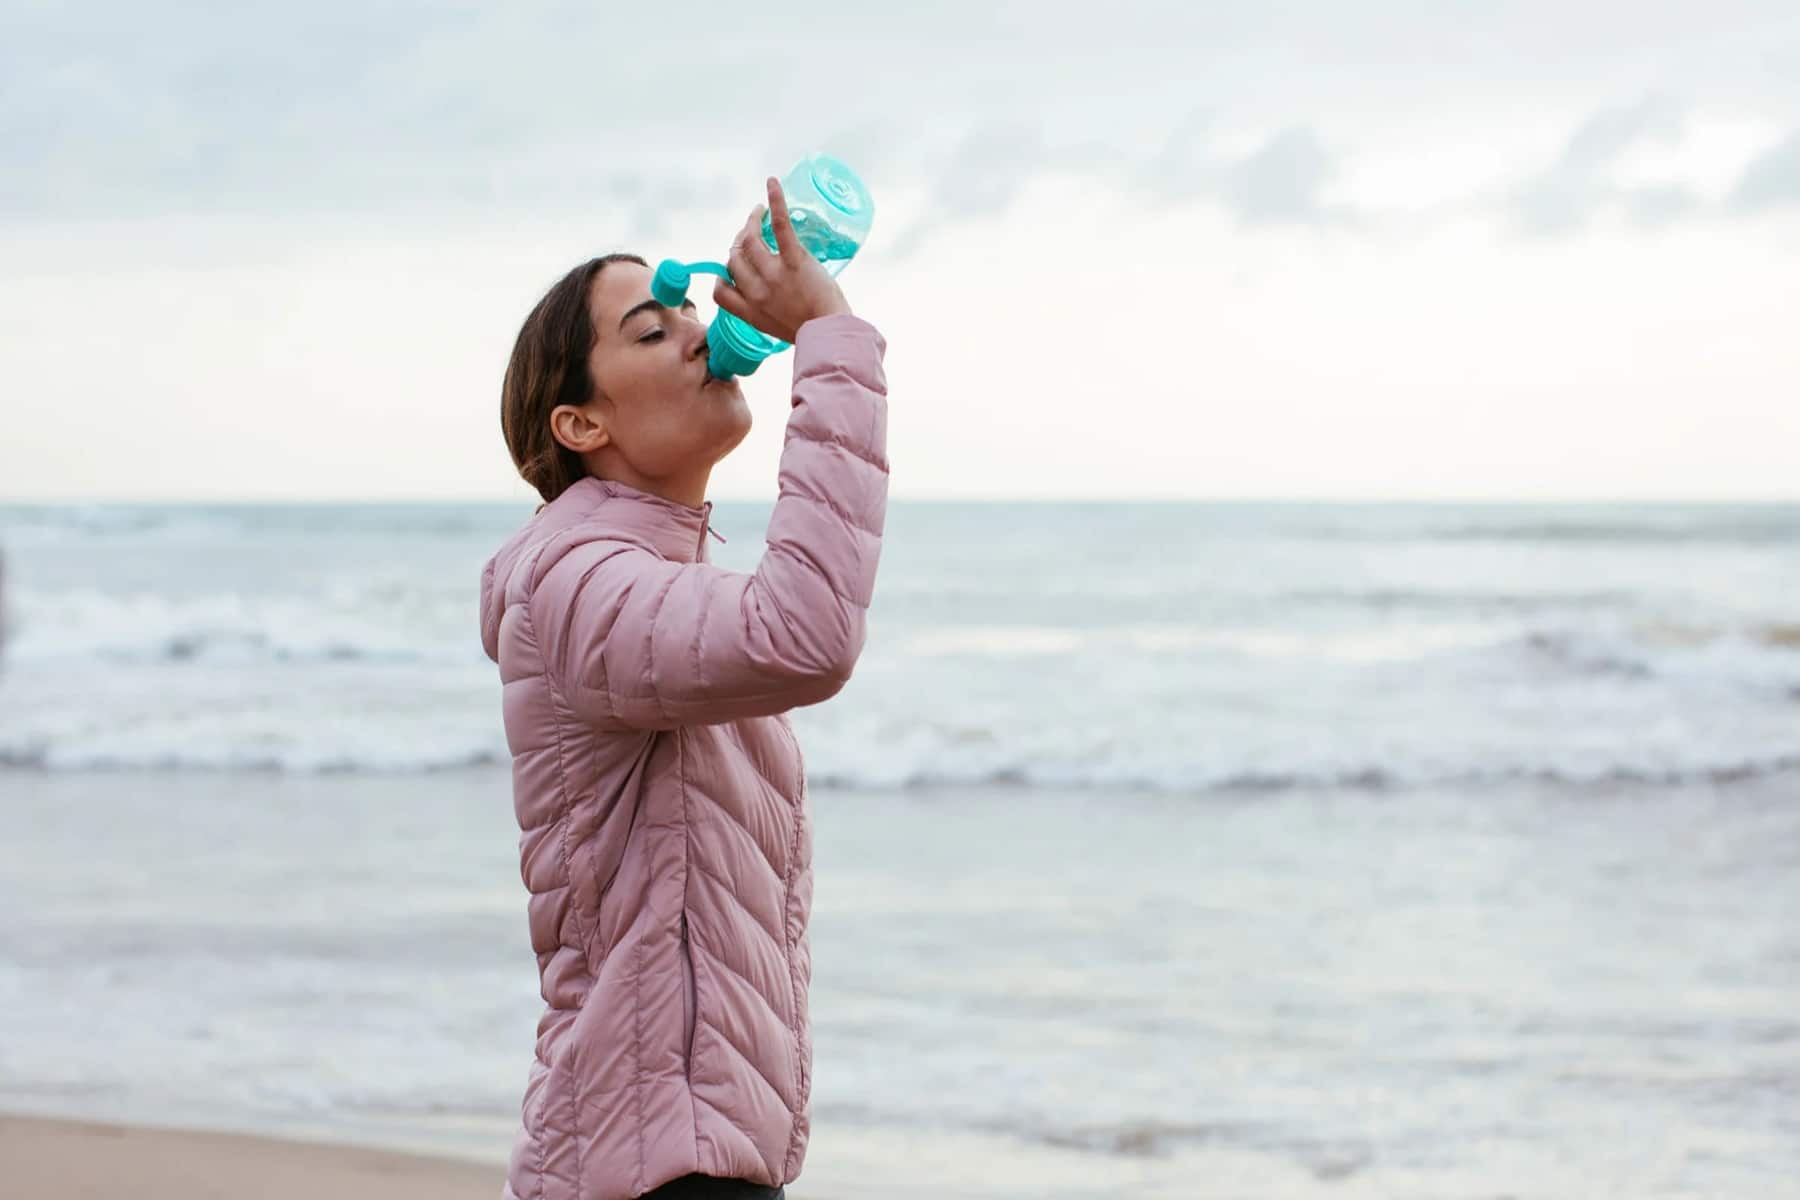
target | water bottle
[{"x": 830, "y": 209}]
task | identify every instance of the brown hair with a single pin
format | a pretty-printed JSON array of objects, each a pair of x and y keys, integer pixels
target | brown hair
[{"x": 549, "y": 367}]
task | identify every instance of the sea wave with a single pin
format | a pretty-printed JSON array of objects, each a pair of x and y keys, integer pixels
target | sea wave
[
  {"x": 370, "y": 621},
  {"x": 1367, "y": 780},
  {"x": 1775, "y": 525},
  {"x": 1461, "y": 601},
  {"x": 1325, "y": 1158},
  {"x": 1751, "y": 657},
  {"x": 1023, "y": 775},
  {"x": 59, "y": 758}
]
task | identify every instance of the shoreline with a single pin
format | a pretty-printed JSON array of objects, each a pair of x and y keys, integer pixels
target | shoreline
[
  {"x": 54, "y": 1155},
  {"x": 48, "y": 1156}
]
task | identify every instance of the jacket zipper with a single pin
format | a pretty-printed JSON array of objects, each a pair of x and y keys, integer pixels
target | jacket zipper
[
  {"x": 706, "y": 528},
  {"x": 799, "y": 757},
  {"x": 689, "y": 997},
  {"x": 799, "y": 815}
]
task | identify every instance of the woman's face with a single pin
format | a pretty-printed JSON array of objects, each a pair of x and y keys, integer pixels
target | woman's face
[{"x": 658, "y": 421}]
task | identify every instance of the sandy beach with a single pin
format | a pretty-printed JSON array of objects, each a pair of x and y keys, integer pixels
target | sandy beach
[{"x": 75, "y": 1159}]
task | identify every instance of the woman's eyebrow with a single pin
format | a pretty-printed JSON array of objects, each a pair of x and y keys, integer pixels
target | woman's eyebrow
[{"x": 646, "y": 306}]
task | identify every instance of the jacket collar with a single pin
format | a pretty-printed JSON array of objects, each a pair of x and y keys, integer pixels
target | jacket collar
[{"x": 675, "y": 530}]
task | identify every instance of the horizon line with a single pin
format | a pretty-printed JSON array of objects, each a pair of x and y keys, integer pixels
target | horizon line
[{"x": 1473, "y": 498}]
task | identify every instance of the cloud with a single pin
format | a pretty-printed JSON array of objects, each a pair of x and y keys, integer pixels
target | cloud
[
  {"x": 1653, "y": 206},
  {"x": 409, "y": 112},
  {"x": 1281, "y": 182},
  {"x": 1182, "y": 168},
  {"x": 981, "y": 176},
  {"x": 391, "y": 114},
  {"x": 1564, "y": 196},
  {"x": 1771, "y": 179}
]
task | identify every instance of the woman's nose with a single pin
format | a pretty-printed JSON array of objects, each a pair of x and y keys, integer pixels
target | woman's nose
[{"x": 698, "y": 348}]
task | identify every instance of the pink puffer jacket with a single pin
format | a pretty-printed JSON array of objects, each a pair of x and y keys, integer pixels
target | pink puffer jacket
[{"x": 661, "y": 795}]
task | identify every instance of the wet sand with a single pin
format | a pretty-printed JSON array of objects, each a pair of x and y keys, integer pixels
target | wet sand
[{"x": 72, "y": 1160}]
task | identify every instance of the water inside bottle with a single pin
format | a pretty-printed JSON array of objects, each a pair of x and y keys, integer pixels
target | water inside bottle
[{"x": 816, "y": 234}]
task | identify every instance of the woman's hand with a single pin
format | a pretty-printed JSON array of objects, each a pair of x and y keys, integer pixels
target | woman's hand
[{"x": 777, "y": 293}]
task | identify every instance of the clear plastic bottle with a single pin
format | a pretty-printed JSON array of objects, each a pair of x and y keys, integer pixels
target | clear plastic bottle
[{"x": 831, "y": 210}]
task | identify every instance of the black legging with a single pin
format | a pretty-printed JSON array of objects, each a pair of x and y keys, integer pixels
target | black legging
[{"x": 711, "y": 1187}]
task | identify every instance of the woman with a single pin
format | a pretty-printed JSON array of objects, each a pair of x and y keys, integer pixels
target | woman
[{"x": 660, "y": 793}]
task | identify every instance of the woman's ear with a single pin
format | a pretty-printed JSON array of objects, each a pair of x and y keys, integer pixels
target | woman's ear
[{"x": 579, "y": 429}]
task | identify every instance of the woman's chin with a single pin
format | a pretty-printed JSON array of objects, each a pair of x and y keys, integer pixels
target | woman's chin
[
  {"x": 733, "y": 395},
  {"x": 734, "y": 411}
]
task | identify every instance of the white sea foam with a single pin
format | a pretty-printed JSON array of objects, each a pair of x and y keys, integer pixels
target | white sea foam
[{"x": 1161, "y": 648}]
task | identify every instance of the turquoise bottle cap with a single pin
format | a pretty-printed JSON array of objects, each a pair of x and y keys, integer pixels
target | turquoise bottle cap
[
  {"x": 729, "y": 355},
  {"x": 670, "y": 283}
]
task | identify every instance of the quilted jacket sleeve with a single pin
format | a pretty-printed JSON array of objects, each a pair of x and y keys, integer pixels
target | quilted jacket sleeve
[{"x": 636, "y": 640}]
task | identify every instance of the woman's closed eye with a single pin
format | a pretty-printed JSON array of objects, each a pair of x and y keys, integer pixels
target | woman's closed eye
[{"x": 655, "y": 333}]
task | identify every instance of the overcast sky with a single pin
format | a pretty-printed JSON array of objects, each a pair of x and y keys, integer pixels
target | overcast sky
[{"x": 1383, "y": 249}]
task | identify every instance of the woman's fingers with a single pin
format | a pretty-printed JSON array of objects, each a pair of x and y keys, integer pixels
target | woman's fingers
[
  {"x": 752, "y": 224},
  {"x": 751, "y": 264},
  {"x": 783, "y": 228},
  {"x": 755, "y": 248},
  {"x": 731, "y": 300},
  {"x": 744, "y": 274},
  {"x": 747, "y": 310}
]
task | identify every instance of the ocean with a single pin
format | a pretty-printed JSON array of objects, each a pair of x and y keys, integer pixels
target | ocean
[
  {"x": 1170, "y": 649},
  {"x": 1162, "y": 850}
]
